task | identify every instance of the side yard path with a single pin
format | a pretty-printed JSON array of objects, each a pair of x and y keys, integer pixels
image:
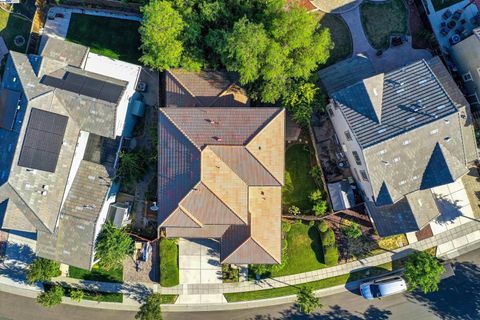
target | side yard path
[{"x": 459, "y": 236}]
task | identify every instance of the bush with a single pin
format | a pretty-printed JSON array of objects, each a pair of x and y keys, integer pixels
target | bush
[
  {"x": 323, "y": 226},
  {"x": 320, "y": 207},
  {"x": 311, "y": 223},
  {"x": 76, "y": 295},
  {"x": 328, "y": 238},
  {"x": 315, "y": 195},
  {"x": 286, "y": 226},
  {"x": 51, "y": 297},
  {"x": 294, "y": 210},
  {"x": 43, "y": 270},
  {"x": 352, "y": 231},
  {"x": 330, "y": 255}
]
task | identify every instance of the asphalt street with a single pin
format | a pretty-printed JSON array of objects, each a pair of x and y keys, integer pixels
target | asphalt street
[{"x": 457, "y": 299}]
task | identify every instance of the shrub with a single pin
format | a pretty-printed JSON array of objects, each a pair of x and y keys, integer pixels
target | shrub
[
  {"x": 315, "y": 195},
  {"x": 320, "y": 207},
  {"x": 307, "y": 301},
  {"x": 113, "y": 245},
  {"x": 76, "y": 295},
  {"x": 328, "y": 238},
  {"x": 330, "y": 255},
  {"x": 423, "y": 271},
  {"x": 151, "y": 309},
  {"x": 311, "y": 223},
  {"x": 43, "y": 270},
  {"x": 286, "y": 226},
  {"x": 294, "y": 210},
  {"x": 51, "y": 297},
  {"x": 323, "y": 226},
  {"x": 315, "y": 172},
  {"x": 352, "y": 230}
]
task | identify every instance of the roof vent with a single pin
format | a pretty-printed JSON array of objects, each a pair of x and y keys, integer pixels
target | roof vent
[
  {"x": 447, "y": 139},
  {"x": 447, "y": 121},
  {"x": 212, "y": 121},
  {"x": 218, "y": 139}
]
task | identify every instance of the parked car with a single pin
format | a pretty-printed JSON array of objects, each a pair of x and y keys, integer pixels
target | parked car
[{"x": 383, "y": 287}]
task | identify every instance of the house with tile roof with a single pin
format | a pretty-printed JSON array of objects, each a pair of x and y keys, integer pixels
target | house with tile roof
[
  {"x": 220, "y": 175},
  {"x": 404, "y": 133},
  {"x": 61, "y": 130}
]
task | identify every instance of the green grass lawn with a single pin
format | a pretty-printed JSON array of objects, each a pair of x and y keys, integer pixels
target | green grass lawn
[
  {"x": 304, "y": 250},
  {"x": 382, "y": 19},
  {"x": 315, "y": 285},
  {"x": 169, "y": 273},
  {"x": 114, "y": 38},
  {"x": 298, "y": 181},
  {"x": 169, "y": 298},
  {"x": 442, "y": 4},
  {"x": 96, "y": 274},
  {"x": 341, "y": 37},
  {"x": 11, "y": 26},
  {"x": 91, "y": 295}
]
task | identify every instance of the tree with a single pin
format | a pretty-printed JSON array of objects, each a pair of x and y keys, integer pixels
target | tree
[
  {"x": 151, "y": 309},
  {"x": 76, "y": 295},
  {"x": 43, "y": 270},
  {"x": 306, "y": 301},
  {"x": 423, "y": 271},
  {"x": 320, "y": 207},
  {"x": 133, "y": 166},
  {"x": 302, "y": 99},
  {"x": 315, "y": 195},
  {"x": 51, "y": 297},
  {"x": 160, "y": 33},
  {"x": 112, "y": 246}
]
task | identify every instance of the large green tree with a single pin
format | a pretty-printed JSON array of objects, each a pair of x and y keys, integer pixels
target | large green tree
[
  {"x": 112, "y": 246},
  {"x": 423, "y": 271},
  {"x": 160, "y": 31},
  {"x": 151, "y": 309},
  {"x": 270, "y": 45},
  {"x": 43, "y": 270}
]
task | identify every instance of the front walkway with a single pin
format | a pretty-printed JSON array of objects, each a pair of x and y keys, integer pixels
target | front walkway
[{"x": 468, "y": 232}]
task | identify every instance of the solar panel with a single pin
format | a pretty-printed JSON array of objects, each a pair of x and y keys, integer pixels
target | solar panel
[
  {"x": 86, "y": 86},
  {"x": 43, "y": 140},
  {"x": 8, "y": 108}
]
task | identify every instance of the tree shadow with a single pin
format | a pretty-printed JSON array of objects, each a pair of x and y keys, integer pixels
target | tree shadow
[
  {"x": 458, "y": 297},
  {"x": 316, "y": 244},
  {"x": 17, "y": 259}
]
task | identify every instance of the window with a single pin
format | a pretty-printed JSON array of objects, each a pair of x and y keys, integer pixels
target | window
[
  {"x": 357, "y": 158},
  {"x": 467, "y": 77},
  {"x": 348, "y": 135},
  {"x": 330, "y": 112},
  {"x": 364, "y": 175}
]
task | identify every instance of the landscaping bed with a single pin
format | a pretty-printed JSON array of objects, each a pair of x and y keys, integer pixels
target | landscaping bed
[
  {"x": 169, "y": 271},
  {"x": 111, "y": 37},
  {"x": 96, "y": 274},
  {"x": 340, "y": 34},
  {"x": 380, "y": 20}
]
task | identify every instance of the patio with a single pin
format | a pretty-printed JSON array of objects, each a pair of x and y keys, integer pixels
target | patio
[{"x": 454, "y": 23}]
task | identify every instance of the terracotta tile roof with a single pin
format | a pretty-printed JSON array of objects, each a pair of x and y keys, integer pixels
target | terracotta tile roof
[{"x": 238, "y": 198}]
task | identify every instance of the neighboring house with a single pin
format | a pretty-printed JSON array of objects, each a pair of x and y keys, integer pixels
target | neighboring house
[
  {"x": 467, "y": 58},
  {"x": 60, "y": 134},
  {"x": 203, "y": 89},
  {"x": 220, "y": 175},
  {"x": 403, "y": 133}
]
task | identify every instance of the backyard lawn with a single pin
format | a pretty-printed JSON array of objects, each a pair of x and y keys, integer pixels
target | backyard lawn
[
  {"x": 304, "y": 250},
  {"x": 10, "y": 27},
  {"x": 340, "y": 35},
  {"x": 169, "y": 273},
  {"x": 298, "y": 181},
  {"x": 442, "y": 4},
  {"x": 96, "y": 274},
  {"x": 382, "y": 19},
  {"x": 114, "y": 38}
]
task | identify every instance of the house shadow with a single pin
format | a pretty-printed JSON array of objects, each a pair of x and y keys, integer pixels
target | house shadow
[{"x": 18, "y": 256}]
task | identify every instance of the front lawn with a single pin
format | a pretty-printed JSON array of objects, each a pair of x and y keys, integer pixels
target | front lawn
[
  {"x": 442, "y": 4},
  {"x": 169, "y": 273},
  {"x": 304, "y": 250},
  {"x": 299, "y": 183},
  {"x": 92, "y": 295},
  {"x": 111, "y": 37},
  {"x": 11, "y": 26},
  {"x": 96, "y": 274},
  {"x": 382, "y": 19},
  {"x": 340, "y": 34}
]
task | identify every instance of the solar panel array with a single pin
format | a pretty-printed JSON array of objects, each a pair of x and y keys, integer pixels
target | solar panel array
[
  {"x": 43, "y": 140},
  {"x": 86, "y": 86},
  {"x": 8, "y": 108}
]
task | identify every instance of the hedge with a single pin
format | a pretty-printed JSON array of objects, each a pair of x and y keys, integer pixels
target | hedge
[
  {"x": 169, "y": 273},
  {"x": 330, "y": 250},
  {"x": 330, "y": 255},
  {"x": 328, "y": 238}
]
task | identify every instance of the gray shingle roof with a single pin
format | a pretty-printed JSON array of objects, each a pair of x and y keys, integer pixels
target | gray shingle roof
[
  {"x": 412, "y": 97},
  {"x": 64, "y": 51}
]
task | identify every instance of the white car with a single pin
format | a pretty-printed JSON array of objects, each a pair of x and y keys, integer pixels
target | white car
[{"x": 383, "y": 287}]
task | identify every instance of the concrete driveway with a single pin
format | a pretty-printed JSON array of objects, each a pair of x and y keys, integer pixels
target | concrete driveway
[{"x": 199, "y": 261}]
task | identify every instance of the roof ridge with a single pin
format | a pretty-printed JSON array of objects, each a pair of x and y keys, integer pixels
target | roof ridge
[
  {"x": 238, "y": 247},
  {"x": 264, "y": 124},
  {"x": 263, "y": 248},
  {"x": 194, "y": 219},
  {"x": 179, "y": 129}
]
